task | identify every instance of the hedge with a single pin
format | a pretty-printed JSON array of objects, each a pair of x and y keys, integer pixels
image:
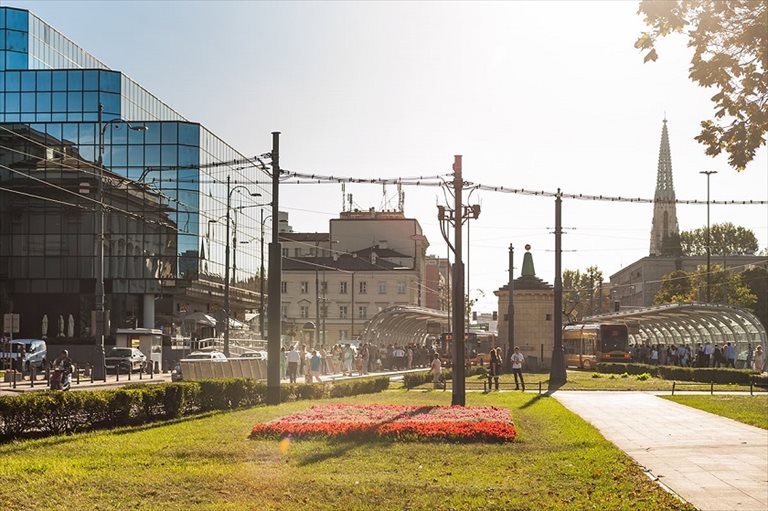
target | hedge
[
  {"x": 411, "y": 380},
  {"x": 698, "y": 374},
  {"x": 53, "y": 412}
]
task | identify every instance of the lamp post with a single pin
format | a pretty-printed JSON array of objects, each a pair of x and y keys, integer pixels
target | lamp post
[
  {"x": 227, "y": 312},
  {"x": 99, "y": 371},
  {"x": 709, "y": 249}
]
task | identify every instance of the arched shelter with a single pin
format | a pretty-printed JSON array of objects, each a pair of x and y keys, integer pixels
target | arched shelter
[
  {"x": 402, "y": 324},
  {"x": 692, "y": 324}
]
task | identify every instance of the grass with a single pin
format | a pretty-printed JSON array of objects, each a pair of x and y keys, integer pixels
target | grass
[
  {"x": 559, "y": 462},
  {"x": 752, "y": 410},
  {"x": 584, "y": 380}
]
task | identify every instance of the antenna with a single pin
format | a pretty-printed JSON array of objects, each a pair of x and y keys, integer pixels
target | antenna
[
  {"x": 349, "y": 197},
  {"x": 343, "y": 194},
  {"x": 400, "y": 197},
  {"x": 384, "y": 202}
]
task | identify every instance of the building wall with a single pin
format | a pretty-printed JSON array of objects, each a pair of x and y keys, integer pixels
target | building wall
[
  {"x": 299, "y": 307},
  {"x": 534, "y": 324},
  {"x": 637, "y": 284},
  {"x": 436, "y": 288}
]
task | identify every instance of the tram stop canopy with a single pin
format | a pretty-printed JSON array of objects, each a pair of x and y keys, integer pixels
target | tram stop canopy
[
  {"x": 404, "y": 324},
  {"x": 692, "y": 324}
]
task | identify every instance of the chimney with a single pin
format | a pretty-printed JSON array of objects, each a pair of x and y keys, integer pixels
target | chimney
[{"x": 382, "y": 244}]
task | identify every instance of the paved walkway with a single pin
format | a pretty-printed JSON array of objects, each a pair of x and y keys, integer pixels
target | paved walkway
[{"x": 712, "y": 462}]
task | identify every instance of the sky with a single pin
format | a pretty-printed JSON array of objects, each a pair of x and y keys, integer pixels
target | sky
[{"x": 534, "y": 95}]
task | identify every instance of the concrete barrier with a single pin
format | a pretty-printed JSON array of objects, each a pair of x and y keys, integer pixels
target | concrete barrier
[{"x": 234, "y": 368}]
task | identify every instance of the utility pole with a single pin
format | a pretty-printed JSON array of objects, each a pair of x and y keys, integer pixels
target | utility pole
[
  {"x": 317, "y": 295},
  {"x": 557, "y": 376},
  {"x": 458, "y": 397},
  {"x": 275, "y": 278},
  {"x": 709, "y": 248},
  {"x": 511, "y": 309},
  {"x": 227, "y": 313},
  {"x": 261, "y": 278}
]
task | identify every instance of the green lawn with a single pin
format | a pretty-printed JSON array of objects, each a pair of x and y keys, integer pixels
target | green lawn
[
  {"x": 558, "y": 463},
  {"x": 751, "y": 410},
  {"x": 584, "y": 380}
]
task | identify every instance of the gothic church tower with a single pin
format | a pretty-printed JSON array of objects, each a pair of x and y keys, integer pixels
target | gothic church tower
[{"x": 665, "y": 234}]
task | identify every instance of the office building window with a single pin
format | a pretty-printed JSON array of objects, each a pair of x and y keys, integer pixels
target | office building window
[
  {"x": 363, "y": 287},
  {"x": 362, "y": 312},
  {"x": 286, "y": 252},
  {"x": 343, "y": 312},
  {"x": 284, "y": 287},
  {"x": 401, "y": 287},
  {"x": 382, "y": 288},
  {"x": 296, "y": 252},
  {"x": 284, "y": 310},
  {"x": 342, "y": 288},
  {"x": 324, "y": 287},
  {"x": 343, "y": 334},
  {"x": 304, "y": 311},
  {"x": 323, "y": 311},
  {"x": 304, "y": 287}
]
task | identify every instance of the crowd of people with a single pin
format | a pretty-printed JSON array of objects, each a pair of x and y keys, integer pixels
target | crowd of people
[
  {"x": 704, "y": 355},
  {"x": 349, "y": 360}
]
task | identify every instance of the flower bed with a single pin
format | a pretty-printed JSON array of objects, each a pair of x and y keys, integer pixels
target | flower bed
[{"x": 396, "y": 422}]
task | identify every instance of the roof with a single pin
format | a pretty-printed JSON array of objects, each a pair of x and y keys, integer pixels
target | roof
[
  {"x": 305, "y": 236},
  {"x": 380, "y": 252},
  {"x": 345, "y": 262}
]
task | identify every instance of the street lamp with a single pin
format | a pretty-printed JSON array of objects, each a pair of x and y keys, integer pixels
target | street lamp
[
  {"x": 227, "y": 312},
  {"x": 99, "y": 371},
  {"x": 709, "y": 250}
]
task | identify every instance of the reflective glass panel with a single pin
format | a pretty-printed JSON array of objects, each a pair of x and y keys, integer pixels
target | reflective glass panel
[
  {"x": 75, "y": 80},
  {"x": 12, "y": 81},
  {"x": 15, "y": 60},
  {"x": 44, "y": 102},
  {"x": 28, "y": 81},
  {"x": 169, "y": 132},
  {"x": 110, "y": 81},
  {"x": 59, "y": 101},
  {"x": 17, "y": 20},
  {"x": 75, "y": 101},
  {"x": 16, "y": 41},
  {"x": 43, "y": 80},
  {"x": 27, "y": 101},
  {"x": 90, "y": 80},
  {"x": 59, "y": 80}
]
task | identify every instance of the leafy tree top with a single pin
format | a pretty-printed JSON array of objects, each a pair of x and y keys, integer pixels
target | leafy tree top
[
  {"x": 730, "y": 43},
  {"x": 725, "y": 238}
]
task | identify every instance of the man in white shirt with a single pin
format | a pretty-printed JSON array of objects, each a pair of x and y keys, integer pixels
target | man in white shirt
[
  {"x": 436, "y": 369},
  {"x": 517, "y": 367},
  {"x": 292, "y": 357}
]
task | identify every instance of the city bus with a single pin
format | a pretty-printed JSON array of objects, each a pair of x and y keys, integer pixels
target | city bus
[{"x": 587, "y": 344}]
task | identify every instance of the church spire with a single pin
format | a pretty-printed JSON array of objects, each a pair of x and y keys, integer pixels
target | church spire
[{"x": 665, "y": 235}]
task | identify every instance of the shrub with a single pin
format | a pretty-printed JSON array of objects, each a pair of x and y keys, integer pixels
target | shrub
[
  {"x": 698, "y": 374},
  {"x": 625, "y": 375},
  {"x": 644, "y": 376},
  {"x": 596, "y": 375}
]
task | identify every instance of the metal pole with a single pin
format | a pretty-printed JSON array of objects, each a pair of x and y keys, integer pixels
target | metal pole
[
  {"x": 709, "y": 251},
  {"x": 557, "y": 375},
  {"x": 448, "y": 291},
  {"x": 511, "y": 309},
  {"x": 261, "y": 279},
  {"x": 226, "y": 277},
  {"x": 458, "y": 397},
  {"x": 317, "y": 295},
  {"x": 98, "y": 363},
  {"x": 275, "y": 276},
  {"x": 352, "y": 334}
]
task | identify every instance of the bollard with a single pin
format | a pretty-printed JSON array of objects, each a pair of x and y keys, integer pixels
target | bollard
[
  {"x": 117, "y": 372},
  {"x": 130, "y": 371},
  {"x": 48, "y": 374},
  {"x": 91, "y": 374},
  {"x": 712, "y": 389},
  {"x": 539, "y": 388},
  {"x": 14, "y": 378},
  {"x": 151, "y": 371},
  {"x": 77, "y": 371},
  {"x": 141, "y": 371},
  {"x": 32, "y": 376},
  {"x": 673, "y": 388}
]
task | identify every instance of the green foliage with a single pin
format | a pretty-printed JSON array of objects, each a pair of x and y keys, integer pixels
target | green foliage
[
  {"x": 54, "y": 413},
  {"x": 697, "y": 374},
  {"x": 726, "y": 287},
  {"x": 730, "y": 54},
  {"x": 725, "y": 238},
  {"x": 596, "y": 375},
  {"x": 756, "y": 280},
  {"x": 581, "y": 293},
  {"x": 643, "y": 377},
  {"x": 625, "y": 375}
]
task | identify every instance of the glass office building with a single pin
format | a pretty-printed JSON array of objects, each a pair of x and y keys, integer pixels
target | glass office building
[{"x": 164, "y": 187}]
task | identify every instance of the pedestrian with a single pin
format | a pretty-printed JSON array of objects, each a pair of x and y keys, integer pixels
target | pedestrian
[
  {"x": 292, "y": 357},
  {"x": 709, "y": 350},
  {"x": 655, "y": 355},
  {"x": 282, "y": 362},
  {"x": 494, "y": 368},
  {"x": 349, "y": 357},
  {"x": 517, "y": 367},
  {"x": 437, "y": 370},
  {"x": 748, "y": 362},
  {"x": 758, "y": 359},
  {"x": 315, "y": 363},
  {"x": 730, "y": 355}
]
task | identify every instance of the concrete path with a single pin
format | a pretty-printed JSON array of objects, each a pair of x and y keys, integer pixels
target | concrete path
[{"x": 712, "y": 462}]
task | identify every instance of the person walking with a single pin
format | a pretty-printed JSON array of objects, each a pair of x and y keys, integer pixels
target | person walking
[
  {"x": 730, "y": 355},
  {"x": 494, "y": 368},
  {"x": 314, "y": 367},
  {"x": 292, "y": 357},
  {"x": 437, "y": 370},
  {"x": 517, "y": 367},
  {"x": 758, "y": 359}
]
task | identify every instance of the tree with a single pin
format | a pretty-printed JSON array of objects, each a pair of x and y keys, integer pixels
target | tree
[
  {"x": 756, "y": 279},
  {"x": 675, "y": 288},
  {"x": 581, "y": 294},
  {"x": 730, "y": 42},
  {"x": 727, "y": 287},
  {"x": 725, "y": 238}
]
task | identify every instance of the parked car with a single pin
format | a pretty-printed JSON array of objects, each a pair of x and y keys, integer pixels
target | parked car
[
  {"x": 127, "y": 359},
  {"x": 196, "y": 356},
  {"x": 259, "y": 355},
  {"x": 35, "y": 353}
]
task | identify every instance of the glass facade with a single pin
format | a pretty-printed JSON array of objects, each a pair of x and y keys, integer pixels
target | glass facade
[{"x": 165, "y": 182}]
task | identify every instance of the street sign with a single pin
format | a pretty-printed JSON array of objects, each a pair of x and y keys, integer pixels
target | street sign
[{"x": 10, "y": 323}]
